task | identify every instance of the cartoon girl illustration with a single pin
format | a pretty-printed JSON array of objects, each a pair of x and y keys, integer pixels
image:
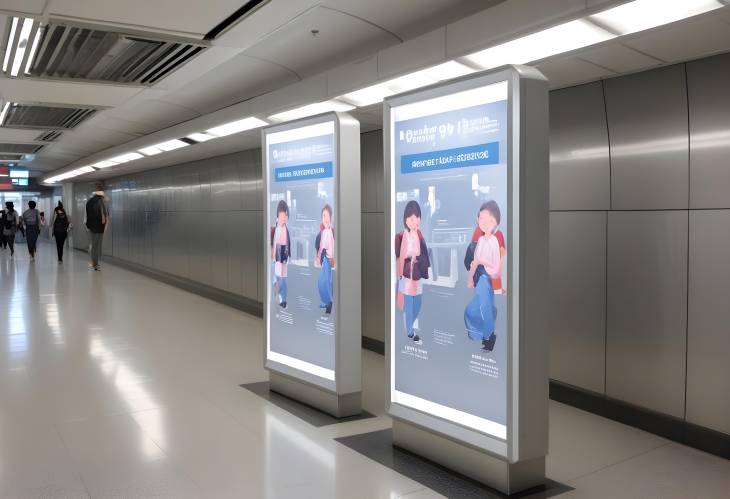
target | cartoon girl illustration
[
  {"x": 325, "y": 259},
  {"x": 280, "y": 250},
  {"x": 412, "y": 265},
  {"x": 484, "y": 264}
]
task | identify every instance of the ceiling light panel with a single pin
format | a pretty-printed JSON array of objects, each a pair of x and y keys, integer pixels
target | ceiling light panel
[
  {"x": 21, "y": 45},
  {"x": 312, "y": 109},
  {"x": 235, "y": 127},
  {"x": 130, "y": 156},
  {"x": 105, "y": 164},
  {"x": 559, "y": 39},
  {"x": 169, "y": 145},
  {"x": 640, "y": 15},
  {"x": 202, "y": 136},
  {"x": 376, "y": 93}
]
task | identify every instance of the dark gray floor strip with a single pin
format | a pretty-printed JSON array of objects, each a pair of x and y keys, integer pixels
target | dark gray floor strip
[
  {"x": 313, "y": 416},
  {"x": 378, "y": 446}
]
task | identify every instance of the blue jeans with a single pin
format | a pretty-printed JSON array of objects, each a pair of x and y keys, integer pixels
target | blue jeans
[
  {"x": 282, "y": 288},
  {"x": 324, "y": 284},
  {"x": 411, "y": 309},
  {"x": 31, "y": 236},
  {"x": 480, "y": 313}
]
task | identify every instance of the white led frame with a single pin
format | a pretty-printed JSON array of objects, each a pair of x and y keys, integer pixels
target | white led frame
[
  {"x": 336, "y": 380},
  {"x": 489, "y": 436}
]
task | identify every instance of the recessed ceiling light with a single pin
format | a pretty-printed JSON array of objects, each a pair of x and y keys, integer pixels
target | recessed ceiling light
[
  {"x": 123, "y": 158},
  {"x": 312, "y": 109},
  {"x": 236, "y": 127},
  {"x": 169, "y": 145},
  {"x": 640, "y": 15},
  {"x": 556, "y": 40},
  {"x": 105, "y": 164},
  {"x": 201, "y": 136}
]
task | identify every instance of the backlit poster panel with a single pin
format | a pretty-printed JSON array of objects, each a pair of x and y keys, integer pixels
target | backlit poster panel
[
  {"x": 449, "y": 250},
  {"x": 301, "y": 213}
]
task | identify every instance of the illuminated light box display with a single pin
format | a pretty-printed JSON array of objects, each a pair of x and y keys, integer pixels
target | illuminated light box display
[
  {"x": 312, "y": 257},
  {"x": 466, "y": 176}
]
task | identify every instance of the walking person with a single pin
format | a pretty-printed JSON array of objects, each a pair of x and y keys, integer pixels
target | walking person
[
  {"x": 3, "y": 239},
  {"x": 31, "y": 220},
  {"x": 60, "y": 226},
  {"x": 11, "y": 222},
  {"x": 97, "y": 218}
]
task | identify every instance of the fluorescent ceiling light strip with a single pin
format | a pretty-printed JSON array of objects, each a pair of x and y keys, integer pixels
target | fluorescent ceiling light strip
[
  {"x": 86, "y": 169},
  {"x": 8, "y": 47},
  {"x": 169, "y": 145},
  {"x": 235, "y": 127},
  {"x": 201, "y": 136},
  {"x": 22, "y": 46},
  {"x": 33, "y": 50},
  {"x": 123, "y": 158},
  {"x": 562, "y": 38},
  {"x": 105, "y": 164},
  {"x": 376, "y": 93},
  {"x": 4, "y": 112},
  {"x": 640, "y": 15},
  {"x": 312, "y": 109}
]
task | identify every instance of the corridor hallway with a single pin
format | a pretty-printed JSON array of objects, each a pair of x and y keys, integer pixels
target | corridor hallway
[{"x": 116, "y": 385}]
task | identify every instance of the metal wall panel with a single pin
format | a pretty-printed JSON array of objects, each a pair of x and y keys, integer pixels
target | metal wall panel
[
  {"x": 647, "y": 121},
  {"x": 578, "y": 298},
  {"x": 373, "y": 276},
  {"x": 709, "y": 127},
  {"x": 708, "y": 341},
  {"x": 371, "y": 171},
  {"x": 647, "y": 309},
  {"x": 580, "y": 176}
]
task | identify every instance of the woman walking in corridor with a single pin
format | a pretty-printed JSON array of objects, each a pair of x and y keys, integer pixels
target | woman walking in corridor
[{"x": 61, "y": 225}]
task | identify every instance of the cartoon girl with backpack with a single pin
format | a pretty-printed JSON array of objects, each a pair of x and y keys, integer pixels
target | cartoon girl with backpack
[
  {"x": 412, "y": 264},
  {"x": 280, "y": 250},
  {"x": 325, "y": 259},
  {"x": 483, "y": 262}
]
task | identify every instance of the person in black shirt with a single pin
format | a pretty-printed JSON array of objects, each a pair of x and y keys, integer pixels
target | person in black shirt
[
  {"x": 97, "y": 218},
  {"x": 61, "y": 225}
]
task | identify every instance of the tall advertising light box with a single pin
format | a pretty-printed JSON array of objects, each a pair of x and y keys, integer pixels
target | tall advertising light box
[
  {"x": 466, "y": 174},
  {"x": 312, "y": 256}
]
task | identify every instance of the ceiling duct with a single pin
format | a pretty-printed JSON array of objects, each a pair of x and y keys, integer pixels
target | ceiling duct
[
  {"x": 11, "y": 157},
  {"x": 70, "y": 52},
  {"x": 44, "y": 117},
  {"x": 49, "y": 136},
  {"x": 20, "y": 148}
]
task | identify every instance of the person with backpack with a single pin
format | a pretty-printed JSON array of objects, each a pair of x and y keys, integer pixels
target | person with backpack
[
  {"x": 11, "y": 221},
  {"x": 3, "y": 240},
  {"x": 97, "y": 218},
  {"x": 31, "y": 220},
  {"x": 60, "y": 225}
]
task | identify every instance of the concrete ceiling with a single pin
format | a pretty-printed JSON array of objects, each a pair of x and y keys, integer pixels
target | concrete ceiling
[
  {"x": 272, "y": 56},
  {"x": 271, "y": 48}
]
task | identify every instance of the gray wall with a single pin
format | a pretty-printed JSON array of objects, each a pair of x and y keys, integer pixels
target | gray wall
[
  {"x": 640, "y": 235},
  {"x": 640, "y": 239}
]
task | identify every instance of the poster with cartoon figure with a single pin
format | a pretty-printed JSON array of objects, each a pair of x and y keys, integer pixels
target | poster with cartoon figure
[
  {"x": 450, "y": 236},
  {"x": 301, "y": 213}
]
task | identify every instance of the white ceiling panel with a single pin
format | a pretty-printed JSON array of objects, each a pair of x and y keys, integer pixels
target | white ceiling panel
[
  {"x": 18, "y": 135},
  {"x": 192, "y": 18},
  {"x": 23, "y": 6},
  {"x": 684, "y": 41},
  {"x": 27, "y": 90},
  {"x": 619, "y": 58},
  {"x": 152, "y": 114},
  {"x": 410, "y": 18},
  {"x": 568, "y": 71},
  {"x": 237, "y": 79},
  {"x": 341, "y": 37}
]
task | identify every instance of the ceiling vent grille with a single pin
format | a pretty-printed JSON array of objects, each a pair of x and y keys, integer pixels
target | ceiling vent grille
[
  {"x": 11, "y": 157},
  {"x": 20, "y": 148},
  {"x": 45, "y": 117},
  {"x": 83, "y": 53},
  {"x": 49, "y": 136}
]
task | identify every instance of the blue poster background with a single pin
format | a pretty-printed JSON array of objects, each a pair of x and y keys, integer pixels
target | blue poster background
[
  {"x": 306, "y": 182},
  {"x": 449, "y": 368}
]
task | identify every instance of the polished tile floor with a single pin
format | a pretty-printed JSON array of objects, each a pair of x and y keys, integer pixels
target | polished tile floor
[{"x": 115, "y": 385}]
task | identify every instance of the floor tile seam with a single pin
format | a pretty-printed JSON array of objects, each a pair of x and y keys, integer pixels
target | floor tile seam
[
  {"x": 76, "y": 464},
  {"x": 621, "y": 461}
]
